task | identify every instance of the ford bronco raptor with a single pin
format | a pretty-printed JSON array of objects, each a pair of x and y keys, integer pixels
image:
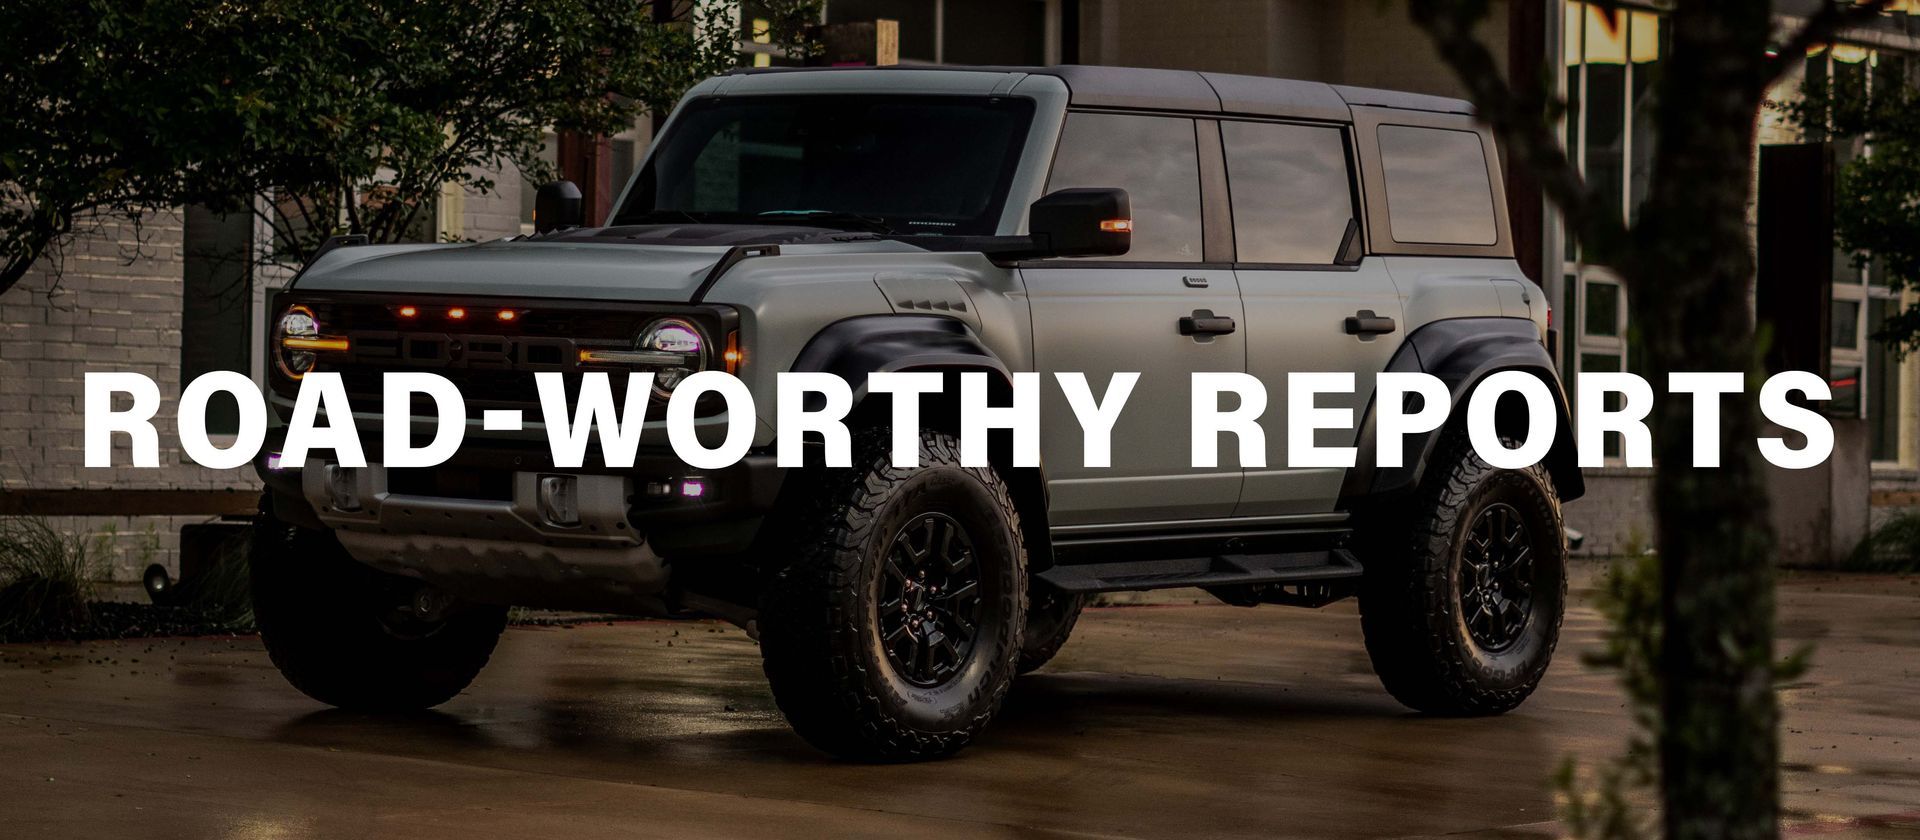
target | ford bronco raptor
[{"x": 950, "y": 220}]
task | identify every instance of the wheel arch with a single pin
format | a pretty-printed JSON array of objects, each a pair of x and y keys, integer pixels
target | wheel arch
[
  {"x": 858, "y": 347},
  {"x": 1463, "y": 352}
]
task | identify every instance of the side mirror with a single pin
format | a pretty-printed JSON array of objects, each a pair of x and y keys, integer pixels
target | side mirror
[
  {"x": 556, "y": 207},
  {"x": 1082, "y": 222}
]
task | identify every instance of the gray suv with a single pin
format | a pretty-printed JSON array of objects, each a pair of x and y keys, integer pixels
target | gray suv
[{"x": 853, "y": 221}]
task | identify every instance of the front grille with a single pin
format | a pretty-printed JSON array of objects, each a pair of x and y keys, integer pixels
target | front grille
[{"x": 492, "y": 361}]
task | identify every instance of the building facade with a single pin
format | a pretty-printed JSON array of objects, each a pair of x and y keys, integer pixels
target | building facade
[{"x": 167, "y": 297}]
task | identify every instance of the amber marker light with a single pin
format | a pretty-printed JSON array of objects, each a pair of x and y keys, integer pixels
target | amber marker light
[
  {"x": 409, "y": 311},
  {"x": 732, "y": 355},
  {"x": 507, "y": 315},
  {"x": 1116, "y": 226},
  {"x": 457, "y": 314}
]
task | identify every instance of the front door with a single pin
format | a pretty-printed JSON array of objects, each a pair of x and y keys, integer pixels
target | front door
[{"x": 1099, "y": 316}]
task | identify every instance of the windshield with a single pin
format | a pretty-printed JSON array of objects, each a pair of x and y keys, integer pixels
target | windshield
[{"x": 921, "y": 165}]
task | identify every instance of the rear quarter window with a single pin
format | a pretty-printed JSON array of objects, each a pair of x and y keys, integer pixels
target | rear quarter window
[{"x": 1438, "y": 192}]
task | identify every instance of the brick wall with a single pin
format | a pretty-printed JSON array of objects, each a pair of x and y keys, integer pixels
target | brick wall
[
  {"x": 1616, "y": 512},
  {"x": 115, "y": 306}
]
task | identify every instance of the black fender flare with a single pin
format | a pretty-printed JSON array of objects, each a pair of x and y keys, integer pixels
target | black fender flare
[
  {"x": 1461, "y": 352},
  {"x": 857, "y": 347}
]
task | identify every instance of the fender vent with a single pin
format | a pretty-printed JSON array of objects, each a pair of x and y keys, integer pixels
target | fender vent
[{"x": 933, "y": 305}]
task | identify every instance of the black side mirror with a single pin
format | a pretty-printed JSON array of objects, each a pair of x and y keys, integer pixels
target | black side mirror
[
  {"x": 557, "y": 207},
  {"x": 1082, "y": 222}
]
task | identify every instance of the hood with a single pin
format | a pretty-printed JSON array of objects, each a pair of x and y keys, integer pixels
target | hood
[
  {"x": 523, "y": 269},
  {"x": 625, "y": 269}
]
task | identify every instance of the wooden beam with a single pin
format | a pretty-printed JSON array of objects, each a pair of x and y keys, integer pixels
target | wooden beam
[{"x": 121, "y": 502}]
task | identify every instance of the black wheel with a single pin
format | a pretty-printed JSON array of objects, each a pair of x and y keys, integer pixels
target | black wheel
[
  {"x": 351, "y": 636},
  {"x": 1462, "y": 617},
  {"x": 894, "y": 634},
  {"x": 1051, "y": 615}
]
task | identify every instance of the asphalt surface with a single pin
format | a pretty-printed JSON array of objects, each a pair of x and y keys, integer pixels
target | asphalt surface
[{"x": 1155, "y": 721}]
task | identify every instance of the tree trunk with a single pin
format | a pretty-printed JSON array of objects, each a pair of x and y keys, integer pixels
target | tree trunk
[{"x": 1689, "y": 269}]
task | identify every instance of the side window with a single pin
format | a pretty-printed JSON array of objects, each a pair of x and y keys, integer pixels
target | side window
[
  {"x": 1292, "y": 195},
  {"x": 1437, "y": 187},
  {"x": 1155, "y": 160}
]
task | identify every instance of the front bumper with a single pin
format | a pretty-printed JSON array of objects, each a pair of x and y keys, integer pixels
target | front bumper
[{"x": 492, "y": 543}]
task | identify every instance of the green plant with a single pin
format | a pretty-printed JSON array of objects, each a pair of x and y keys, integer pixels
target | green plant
[
  {"x": 1630, "y": 601},
  {"x": 46, "y": 577},
  {"x": 1892, "y": 547},
  {"x": 322, "y": 117},
  {"x": 221, "y": 595}
]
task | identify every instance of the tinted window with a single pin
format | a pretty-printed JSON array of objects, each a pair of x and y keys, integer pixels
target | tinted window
[
  {"x": 1155, "y": 160},
  {"x": 1291, "y": 196},
  {"x": 916, "y": 165},
  {"x": 1437, "y": 188}
]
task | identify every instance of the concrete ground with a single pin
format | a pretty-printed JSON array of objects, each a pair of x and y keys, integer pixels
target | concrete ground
[{"x": 1163, "y": 720}]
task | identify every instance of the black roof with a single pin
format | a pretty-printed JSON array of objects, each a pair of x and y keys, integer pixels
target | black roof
[{"x": 1189, "y": 90}]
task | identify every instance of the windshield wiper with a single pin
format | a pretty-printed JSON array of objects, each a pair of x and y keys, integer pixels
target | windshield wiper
[{"x": 830, "y": 218}]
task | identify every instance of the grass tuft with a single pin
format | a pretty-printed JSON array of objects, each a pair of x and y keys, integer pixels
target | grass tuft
[
  {"x": 1892, "y": 547},
  {"x": 46, "y": 577}
]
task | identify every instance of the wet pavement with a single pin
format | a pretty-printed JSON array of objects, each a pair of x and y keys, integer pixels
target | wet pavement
[{"x": 1167, "y": 720}]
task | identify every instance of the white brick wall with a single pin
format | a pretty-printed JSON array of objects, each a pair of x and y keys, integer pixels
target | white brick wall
[
  {"x": 116, "y": 307},
  {"x": 1616, "y": 512}
]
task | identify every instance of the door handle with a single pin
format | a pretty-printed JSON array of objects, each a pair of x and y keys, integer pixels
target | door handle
[
  {"x": 1367, "y": 325},
  {"x": 1204, "y": 322}
]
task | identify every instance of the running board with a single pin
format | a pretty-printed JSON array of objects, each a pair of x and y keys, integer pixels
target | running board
[{"x": 1208, "y": 572}]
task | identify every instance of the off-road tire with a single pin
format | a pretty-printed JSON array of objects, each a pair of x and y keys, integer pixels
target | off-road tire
[
  {"x": 329, "y": 625},
  {"x": 1051, "y": 615},
  {"x": 820, "y": 625},
  {"x": 1411, "y": 603}
]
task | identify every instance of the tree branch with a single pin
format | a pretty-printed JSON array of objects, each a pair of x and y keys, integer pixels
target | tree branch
[
  {"x": 1833, "y": 16},
  {"x": 1522, "y": 122}
]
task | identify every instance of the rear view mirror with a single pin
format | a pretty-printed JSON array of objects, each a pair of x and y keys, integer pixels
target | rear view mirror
[
  {"x": 557, "y": 207},
  {"x": 1082, "y": 222}
]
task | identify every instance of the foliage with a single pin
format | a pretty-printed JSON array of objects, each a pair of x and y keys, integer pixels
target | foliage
[
  {"x": 46, "y": 577},
  {"x": 1630, "y": 601},
  {"x": 220, "y": 597},
  {"x": 1683, "y": 256},
  {"x": 321, "y": 116},
  {"x": 1892, "y": 547},
  {"x": 1876, "y": 211}
]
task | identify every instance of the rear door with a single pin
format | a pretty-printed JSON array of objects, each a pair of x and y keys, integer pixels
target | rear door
[
  {"x": 1099, "y": 316},
  {"x": 1314, "y": 302}
]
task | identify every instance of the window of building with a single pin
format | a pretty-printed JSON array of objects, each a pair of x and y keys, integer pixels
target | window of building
[
  {"x": 1438, "y": 190},
  {"x": 1292, "y": 194},
  {"x": 216, "y": 304},
  {"x": 1613, "y": 54},
  {"x": 1156, "y": 160},
  {"x": 1865, "y": 374}
]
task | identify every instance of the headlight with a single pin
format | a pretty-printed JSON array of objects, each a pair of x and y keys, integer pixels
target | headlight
[
  {"x": 680, "y": 338},
  {"x": 295, "y": 329},
  {"x": 297, "y": 342}
]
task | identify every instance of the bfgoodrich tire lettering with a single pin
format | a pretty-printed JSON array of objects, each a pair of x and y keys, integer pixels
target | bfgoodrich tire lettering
[
  {"x": 1462, "y": 616},
  {"x": 840, "y": 682}
]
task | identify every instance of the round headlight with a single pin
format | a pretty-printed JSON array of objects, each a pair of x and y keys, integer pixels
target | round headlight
[
  {"x": 681, "y": 338},
  {"x": 297, "y": 323}
]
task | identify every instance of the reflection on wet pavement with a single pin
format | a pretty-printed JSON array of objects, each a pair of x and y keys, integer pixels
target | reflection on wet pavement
[{"x": 1155, "y": 721}]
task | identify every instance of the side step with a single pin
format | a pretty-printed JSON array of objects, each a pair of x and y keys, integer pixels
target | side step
[{"x": 1206, "y": 572}]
